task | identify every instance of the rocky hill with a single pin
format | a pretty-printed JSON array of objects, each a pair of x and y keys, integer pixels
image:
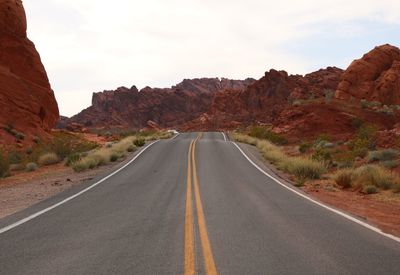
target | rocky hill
[
  {"x": 27, "y": 103},
  {"x": 169, "y": 107}
]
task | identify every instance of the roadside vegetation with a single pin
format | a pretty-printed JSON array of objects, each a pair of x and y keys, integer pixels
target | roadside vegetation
[
  {"x": 73, "y": 150},
  {"x": 354, "y": 165}
]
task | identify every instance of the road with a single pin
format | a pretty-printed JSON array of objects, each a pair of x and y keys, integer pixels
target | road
[{"x": 191, "y": 205}]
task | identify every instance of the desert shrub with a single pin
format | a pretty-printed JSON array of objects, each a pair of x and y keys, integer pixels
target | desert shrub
[
  {"x": 369, "y": 189},
  {"x": 374, "y": 175},
  {"x": 345, "y": 164},
  {"x": 72, "y": 158},
  {"x": 114, "y": 157},
  {"x": 303, "y": 169},
  {"x": 265, "y": 133},
  {"x": 29, "y": 150},
  {"x": 364, "y": 140},
  {"x": 36, "y": 139},
  {"x": 48, "y": 159},
  {"x": 344, "y": 178},
  {"x": 304, "y": 147},
  {"x": 356, "y": 123},
  {"x": 15, "y": 157},
  {"x": 139, "y": 142},
  {"x": 4, "y": 165},
  {"x": 131, "y": 148},
  {"x": 389, "y": 164},
  {"x": 383, "y": 155},
  {"x": 109, "y": 144},
  {"x": 31, "y": 166},
  {"x": 322, "y": 155},
  {"x": 19, "y": 136}
]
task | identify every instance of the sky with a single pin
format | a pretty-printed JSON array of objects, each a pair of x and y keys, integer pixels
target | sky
[{"x": 89, "y": 46}]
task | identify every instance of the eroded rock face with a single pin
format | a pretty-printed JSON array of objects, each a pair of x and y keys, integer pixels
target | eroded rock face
[
  {"x": 167, "y": 107},
  {"x": 26, "y": 99},
  {"x": 374, "y": 77}
]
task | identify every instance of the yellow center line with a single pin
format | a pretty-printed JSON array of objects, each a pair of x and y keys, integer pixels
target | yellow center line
[
  {"x": 205, "y": 242},
  {"x": 189, "y": 235}
]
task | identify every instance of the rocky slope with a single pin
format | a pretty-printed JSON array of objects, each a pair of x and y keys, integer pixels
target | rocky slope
[
  {"x": 27, "y": 102},
  {"x": 374, "y": 77},
  {"x": 169, "y": 107}
]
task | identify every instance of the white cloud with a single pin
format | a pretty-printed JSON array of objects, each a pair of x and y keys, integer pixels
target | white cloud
[{"x": 92, "y": 45}]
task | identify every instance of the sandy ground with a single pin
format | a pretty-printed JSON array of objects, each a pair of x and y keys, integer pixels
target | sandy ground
[{"x": 25, "y": 189}]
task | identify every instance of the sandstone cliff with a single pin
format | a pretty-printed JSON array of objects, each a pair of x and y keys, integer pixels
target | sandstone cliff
[{"x": 27, "y": 102}]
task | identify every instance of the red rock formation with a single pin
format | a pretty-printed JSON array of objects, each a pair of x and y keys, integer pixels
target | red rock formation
[
  {"x": 374, "y": 77},
  {"x": 26, "y": 99},
  {"x": 168, "y": 107}
]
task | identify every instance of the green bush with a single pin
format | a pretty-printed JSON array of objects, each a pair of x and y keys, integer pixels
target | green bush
[
  {"x": 114, "y": 157},
  {"x": 72, "y": 158},
  {"x": 139, "y": 142},
  {"x": 389, "y": 164},
  {"x": 369, "y": 189},
  {"x": 31, "y": 166},
  {"x": 15, "y": 157},
  {"x": 265, "y": 133},
  {"x": 131, "y": 148},
  {"x": 322, "y": 155},
  {"x": 304, "y": 147},
  {"x": 48, "y": 159},
  {"x": 383, "y": 155},
  {"x": 4, "y": 166}
]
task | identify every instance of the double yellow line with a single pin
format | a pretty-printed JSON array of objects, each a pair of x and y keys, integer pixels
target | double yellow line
[{"x": 190, "y": 262}]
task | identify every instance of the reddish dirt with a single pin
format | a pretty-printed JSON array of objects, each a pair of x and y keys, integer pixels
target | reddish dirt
[
  {"x": 26, "y": 99},
  {"x": 382, "y": 209}
]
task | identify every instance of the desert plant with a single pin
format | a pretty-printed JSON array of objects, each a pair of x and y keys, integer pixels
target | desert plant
[
  {"x": 72, "y": 158},
  {"x": 114, "y": 157},
  {"x": 48, "y": 159},
  {"x": 374, "y": 175},
  {"x": 4, "y": 165},
  {"x": 389, "y": 164},
  {"x": 369, "y": 189},
  {"x": 19, "y": 136},
  {"x": 383, "y": 155},
  {"x": 265, "y": 133},
  {"x": 131, "y": 148},
  {"x": 303, "y": 169},
  {"x": 15, "y": 157},
  {"x": 343, "y": 178},
  {"x": 139, "y": 142},
  {"x": 31, "y": 166},
  {"x": 304, "y": 147}
]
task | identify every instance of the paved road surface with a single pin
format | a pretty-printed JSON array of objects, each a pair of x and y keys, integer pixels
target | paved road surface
[{"x": 190, "y": 205}]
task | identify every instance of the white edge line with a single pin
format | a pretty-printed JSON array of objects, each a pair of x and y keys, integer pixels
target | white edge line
[
  {"x": 223, "y": 134},
  {"x": 37, "y": 214},
  {"x": 175, "y": 136},
  {"x": 366, "y": 225}
]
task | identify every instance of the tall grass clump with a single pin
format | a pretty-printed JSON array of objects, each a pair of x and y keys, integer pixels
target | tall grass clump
[
  {"x": 302, "y": 168},
  {"x": 48, "y": 159},
  {"x": 265, "y": 133},
  {"x": 367, "y": 175},
  {"x": 31, "y": 166}
]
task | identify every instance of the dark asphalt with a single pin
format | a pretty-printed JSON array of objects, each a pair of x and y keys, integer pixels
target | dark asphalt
[{"x": 133, "y": 223}]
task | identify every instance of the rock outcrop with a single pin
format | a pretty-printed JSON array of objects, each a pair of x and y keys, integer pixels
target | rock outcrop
[
  {"x": 26, "y": 99},
  {"x": 374, "y": 77},
  {"x": 169, "y": 107}
]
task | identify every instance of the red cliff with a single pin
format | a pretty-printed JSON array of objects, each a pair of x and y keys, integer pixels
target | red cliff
[{"x": 27, "y": 102}]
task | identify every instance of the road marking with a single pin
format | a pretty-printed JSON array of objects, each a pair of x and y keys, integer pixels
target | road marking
[
  {"x": 37, "y": 214},
  {"x": 175, "y": 136},
  {"x": 189, "y": 235},
  {"x": 223, "y": 134},
  {"x": 366, "y": 225},
  {"x": 205, "y": 242}
]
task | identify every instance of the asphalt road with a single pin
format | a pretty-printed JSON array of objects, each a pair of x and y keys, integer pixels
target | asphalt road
[{"x": 190, "y": 205}]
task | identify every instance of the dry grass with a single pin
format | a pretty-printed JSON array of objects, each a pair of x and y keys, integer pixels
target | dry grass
[
  {"x": 366, "y": 176},
  {"x": 301, "y": 167},
  {"x": 114, "y": 151},
  {"x": 48, "y": 159}
]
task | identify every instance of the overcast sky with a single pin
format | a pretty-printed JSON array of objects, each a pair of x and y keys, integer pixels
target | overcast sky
[{"x": 93, "y": 45}]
